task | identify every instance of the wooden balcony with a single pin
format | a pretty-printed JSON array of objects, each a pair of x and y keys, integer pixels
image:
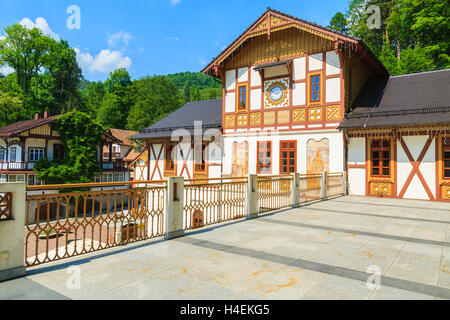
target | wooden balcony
[{"x": 16, "y": 166}]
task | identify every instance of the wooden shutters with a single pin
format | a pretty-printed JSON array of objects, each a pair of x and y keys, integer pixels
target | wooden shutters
[
  {"x": 288, "y": 156},
  {"x": 446, "y": 158}
]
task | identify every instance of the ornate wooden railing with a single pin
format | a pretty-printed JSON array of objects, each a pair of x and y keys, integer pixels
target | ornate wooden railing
[
  {"x": 67, "y": 222},
  {"x": 274, "y": 192},
  {"x": 334, "y": 184},
  {"x": 214, "y": 201}
]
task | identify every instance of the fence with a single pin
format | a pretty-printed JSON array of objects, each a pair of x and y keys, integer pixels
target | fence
[
  {"x": 63, "y": 221},
  {"x": 214, "y": 201},
  {"x": 68, "y": 222},
  {"x": 274, "y": 193}
]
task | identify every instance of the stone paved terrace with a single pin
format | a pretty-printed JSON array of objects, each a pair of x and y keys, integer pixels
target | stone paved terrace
[{"x": 319, "y": 251}]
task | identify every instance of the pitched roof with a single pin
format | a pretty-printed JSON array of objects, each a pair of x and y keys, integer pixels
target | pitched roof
[
  {"x": 123, "y": 135},
  {"x": 207, "y": 111},
  {"x": 311, "y": 26},
  {"x": 412, "y": 99},
  {"x": 22, "y": 126}
]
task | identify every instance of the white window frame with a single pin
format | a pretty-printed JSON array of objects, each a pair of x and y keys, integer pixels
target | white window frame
[{"x": 33, "y": 156}]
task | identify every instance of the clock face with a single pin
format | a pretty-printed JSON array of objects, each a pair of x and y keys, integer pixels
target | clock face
[{"x": 276, "y": 93}]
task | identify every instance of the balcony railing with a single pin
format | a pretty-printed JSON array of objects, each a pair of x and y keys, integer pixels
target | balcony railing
[
  {"x": 9, "y": 165},
  {"x": 112, "y": 165},
  {"x": 114, "y": 155}
]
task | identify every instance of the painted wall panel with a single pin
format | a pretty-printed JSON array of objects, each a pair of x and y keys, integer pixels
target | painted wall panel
[
  {"x": 299, "y": 68},
  {"x": 255, "y": 78},
  {"x": 242, "y": 74},
  {"x": 315, "y": 62},
  {"x": 333, "y": 64},
  {"x": 404, "y": 167},
  {"x": 357, "y": 151},
  {"x": 299, "y": 94},
  {"x": 255, "y": 99},
  {"x": 333, "y": 90},
  {"x": 428, "y": 168},
  {"x": 357, "y": 181},
  {"x": 230, "y": 102},
  {"x": 230, "y": 79}
]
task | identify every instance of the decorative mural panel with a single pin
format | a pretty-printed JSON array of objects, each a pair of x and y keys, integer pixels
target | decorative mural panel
[
  {"x": 315, "y": 114},
  {"x": 269, "y": 117},
  {"x": 255, "y": 118},
  {"x": 298, "y": 115},
  {"x": 380, "y": 188},
  {"x": 242, "y": 119},
  {"x": 229, "y": 121},
  {"x": 239, "y": 167},
  {"x": 276, "y": 93},
  {"x": 333, "y": 112},
  {"x": 317, "y": 156},
  {"x": 283, "y": 116}
]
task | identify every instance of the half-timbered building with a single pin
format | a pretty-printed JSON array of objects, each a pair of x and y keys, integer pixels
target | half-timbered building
[
  {"x": 24, "y": 143},
  {"x": 170, "y": 144},
  {"x": 398, "y": 137},
  {"x": 287, "y": 84}
]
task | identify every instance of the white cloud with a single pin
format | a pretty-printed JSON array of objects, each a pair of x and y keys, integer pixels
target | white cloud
[
  {"x": 5, "y": 70},
  {"x": 174, "y": 2},
  {"x": 202, "y": 61},
  {"x": 121, "y": 36},
  {"x": 172, "y": 38},
  {"x": 104, "y": 62},
  {"x": 41, "y": 24}
]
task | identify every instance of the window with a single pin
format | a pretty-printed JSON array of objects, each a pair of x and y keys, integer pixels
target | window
[
  {"x": 108, "y": 177},
  {"x": 118, "y": 177},
  {"x": 381, "y": 158},
  {"x": 58, "y": 151},
  {"x": 97, "y": 178},
  {"x": 169, "y": 163},
  {"x": 288, "y": 156},
  {"x": 35, "y": 154},
  {"x": 201, "y": 166},
  {"x": 2, "y": 177},
  {"x": 33, "y": 180},
  {"x": 264, "y": 157},
  {"x": 12, "y": 154},
  {"x": 242, "y": 103},
  {"x": 446, "y": 157},
  {"x": 116, "y": 148},
  {"x": 2, "y": 154},
  {"x": 315, "y": 88},
  {"x": 16, "y": 178}
]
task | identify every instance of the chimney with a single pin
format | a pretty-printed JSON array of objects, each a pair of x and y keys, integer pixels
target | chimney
[
  {"x": 36, "y": 116},
  {"x": 45, "y": 114}
]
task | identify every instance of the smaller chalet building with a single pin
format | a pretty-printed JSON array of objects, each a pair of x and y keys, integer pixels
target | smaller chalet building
[
  {"x": 23, "y": 143},
  {"x": 169, "y": 144},
  {"x": 398, "y": 137}
]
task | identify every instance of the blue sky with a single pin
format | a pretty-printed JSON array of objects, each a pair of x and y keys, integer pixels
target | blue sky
[{"x": 153, "y": 36}]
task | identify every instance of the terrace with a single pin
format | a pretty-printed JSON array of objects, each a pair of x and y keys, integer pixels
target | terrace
[{"x": 320, "y": 250}]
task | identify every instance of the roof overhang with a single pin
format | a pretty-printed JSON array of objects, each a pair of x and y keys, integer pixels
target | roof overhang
[{"x": 272, "y": 21}]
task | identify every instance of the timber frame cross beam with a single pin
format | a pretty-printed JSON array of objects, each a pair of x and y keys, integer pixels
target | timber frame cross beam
[
  {"x": 415, "y": 167},
  {"x": 157, "y": 159},
  {"x": 185, "y": 162}
]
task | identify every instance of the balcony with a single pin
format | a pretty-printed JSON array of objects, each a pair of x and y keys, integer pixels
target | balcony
[
  {"x": 114, "y": 156},
  {"x": 10, "y": 165}
]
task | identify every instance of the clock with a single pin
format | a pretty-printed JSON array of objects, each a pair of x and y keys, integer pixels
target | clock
[{"x": 276, "y": 93}]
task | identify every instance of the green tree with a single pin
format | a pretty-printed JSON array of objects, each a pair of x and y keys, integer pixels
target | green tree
[
  {"x": 338, "y": 22},
  {"x": 80, "y": 136},
  {"x": 153, "y": 98},
  {"x": 117, "y": 101}
]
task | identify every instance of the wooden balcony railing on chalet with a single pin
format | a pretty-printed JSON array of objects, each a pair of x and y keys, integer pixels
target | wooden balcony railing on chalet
[
  {"x": 20, "y": 166},
  {"x": 114, "y": 156}
]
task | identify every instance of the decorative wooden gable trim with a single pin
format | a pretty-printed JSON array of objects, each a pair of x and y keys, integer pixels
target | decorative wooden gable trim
[{"x": 271, "y": 22}]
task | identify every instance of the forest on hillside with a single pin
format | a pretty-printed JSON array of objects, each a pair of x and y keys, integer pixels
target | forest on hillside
[{"x": 412, "y": 36}]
